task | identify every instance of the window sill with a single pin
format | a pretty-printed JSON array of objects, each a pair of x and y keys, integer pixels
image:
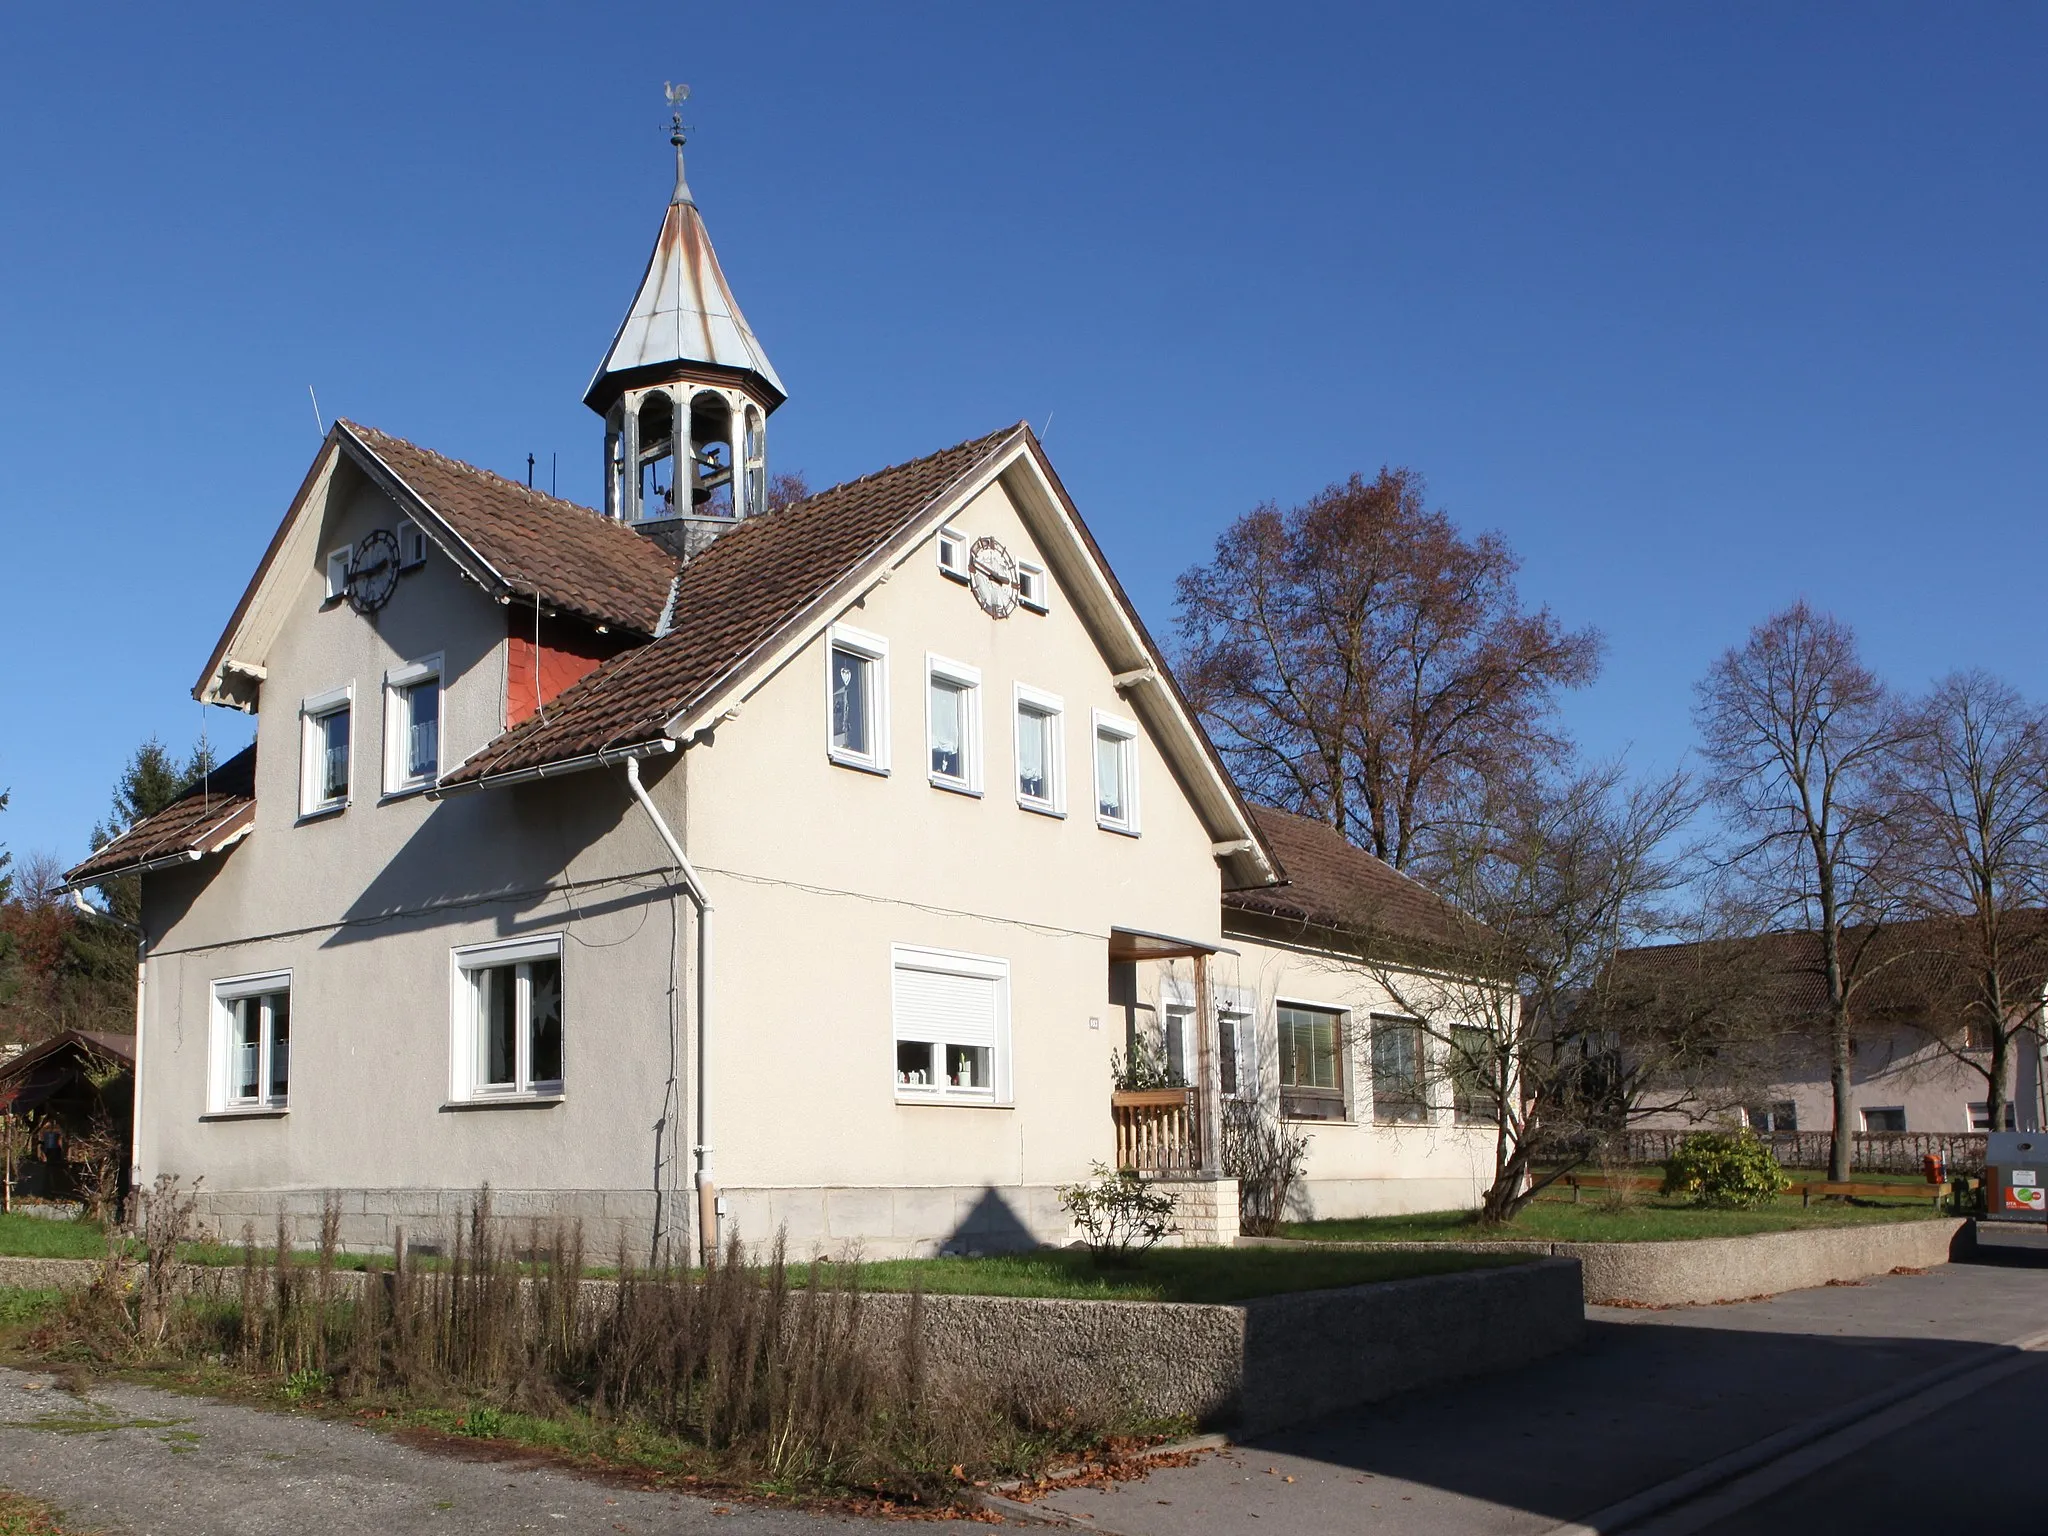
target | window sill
[
  {"x": 948, "y": 1101},
  {"x": 321, "y": 813},
  {"x": 406, "y": 792},
  {"x": 858, "y": 764},
  {"x": 1121, "y": 829},
  {"x": 1041, "y": 808},
  {"x": 954, "y": 787},
  {"x": 505, "y": 1101},
  {"x": 248, "y": 1112}
]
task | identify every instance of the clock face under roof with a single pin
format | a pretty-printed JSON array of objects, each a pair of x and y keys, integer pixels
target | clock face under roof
[
  {"x": 992, "y": 573},
  {"x": 373, "y": 571}
]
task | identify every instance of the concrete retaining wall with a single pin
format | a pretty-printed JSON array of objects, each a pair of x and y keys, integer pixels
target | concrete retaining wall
[
  {"x": 1700, "y": 1271},
  {"x": 1254, "y": 1366}
]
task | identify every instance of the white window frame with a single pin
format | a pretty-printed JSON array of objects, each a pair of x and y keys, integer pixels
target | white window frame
[
  {"x": 939, "y": 669},
  {"x": 946, "y": 962},
  {"x": 465, "y": 1076},
  {"x": 1126, "y": 731},
  {"x": 398, "y": 685},
  {"x": 313, "y": 715},
  {"x": 412, "y": 545},
  {"x": 337, "y": 572},
  {"x": 875, "y": 649},
  {"x": 1865, "y": 1111},
  {"x": 952, "y": 547},
  {"x": 1239, "y": 1007},
  {"x": 1051, "y": 705},
  {"x": 220, "y": 1099},
  {"x": 1034, "y": 588}
]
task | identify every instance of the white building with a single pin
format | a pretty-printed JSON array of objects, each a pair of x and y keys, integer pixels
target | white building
[{"x": 696, "y": 863}]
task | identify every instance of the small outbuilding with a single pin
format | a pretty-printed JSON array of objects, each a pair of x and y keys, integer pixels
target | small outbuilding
[{"x": 68, "y": 1103}]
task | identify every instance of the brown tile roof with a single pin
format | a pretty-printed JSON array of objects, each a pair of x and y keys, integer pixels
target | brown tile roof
[
  {"x": 734, "y": 598},
  {"x": 1910, "y": 971},
  {"x": 1330, "y": 883},
  {"x": 205, "y": 819},
  {"x": 578, "y": 560}
]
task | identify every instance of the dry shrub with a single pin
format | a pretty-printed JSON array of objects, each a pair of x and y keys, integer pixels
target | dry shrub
[
  {"x": 784, "y": 1376},
  {"x": 1267, "y": 1160}
]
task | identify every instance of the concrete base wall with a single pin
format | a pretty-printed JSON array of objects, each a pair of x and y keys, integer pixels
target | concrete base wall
[
  {"x": 1254, "y": 1366},
  {"x": 1703, "y": 1271},
  {"x": 834, "y": 1222},
  {"x": 1342, "y": 1199}
]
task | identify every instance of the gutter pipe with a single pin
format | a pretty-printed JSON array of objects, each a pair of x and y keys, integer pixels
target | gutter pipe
[
  {"x": 707, "y": 1184},
  {"x": 660, "y": 747}
]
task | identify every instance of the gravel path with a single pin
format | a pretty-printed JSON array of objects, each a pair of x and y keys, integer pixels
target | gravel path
[{"x": 130, "y": 1459}]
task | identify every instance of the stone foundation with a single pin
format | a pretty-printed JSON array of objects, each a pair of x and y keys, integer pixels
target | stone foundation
[
  {"x": 1204, "y": 1212},
  {"x": 833, "y": 1222}
]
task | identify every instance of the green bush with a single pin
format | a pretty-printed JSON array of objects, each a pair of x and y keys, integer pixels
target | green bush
[{"x": 1728, "y": 1170}]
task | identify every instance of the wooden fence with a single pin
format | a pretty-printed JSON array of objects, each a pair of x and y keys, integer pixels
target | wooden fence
[{"x": 1873, "y": 1152}]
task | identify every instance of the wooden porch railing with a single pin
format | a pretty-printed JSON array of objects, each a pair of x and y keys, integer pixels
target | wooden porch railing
[{"x": 1158, "y": 1130}]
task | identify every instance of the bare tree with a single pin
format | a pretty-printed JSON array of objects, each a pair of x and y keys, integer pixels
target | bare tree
[
  {"x": 1967, "y": 792},
  {"x": 1361, "y": 662},
  {"x": 1524, "y": 1008},
  {"x": 1797, "y": 729}
]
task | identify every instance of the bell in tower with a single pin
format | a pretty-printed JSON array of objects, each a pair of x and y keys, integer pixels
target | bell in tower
[{"x": 685, "y": 390}]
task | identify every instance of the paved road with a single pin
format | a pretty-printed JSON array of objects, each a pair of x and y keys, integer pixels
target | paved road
[
  {"x": 1653, "y": 1397},
  {"x": 135, "y": 1460}
]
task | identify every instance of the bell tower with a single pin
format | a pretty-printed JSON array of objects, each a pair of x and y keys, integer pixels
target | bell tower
[{"x": 685, "y": 390}]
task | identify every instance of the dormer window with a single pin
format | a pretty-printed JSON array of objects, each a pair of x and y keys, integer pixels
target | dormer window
[
  {"x": 1031, "y": 586},
  {"x": 324, "y": 752},
  {"x": 412, "y": 544},
  {"x": 337, "y": 572}
]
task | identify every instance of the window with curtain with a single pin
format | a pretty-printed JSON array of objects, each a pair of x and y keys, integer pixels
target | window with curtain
[
  {"x": 1397, "y": 1077},
  {"x": 513, "y": 1024},
  {"x": 953, "y": 724},
  {"x": 857, "y": 699},
  {"x": 1311, "y": 1044},
  {"x": 1038, "y": 720},
  {"x": 254, "y": 1042},
  {"x": 1474, "y": 1070}
]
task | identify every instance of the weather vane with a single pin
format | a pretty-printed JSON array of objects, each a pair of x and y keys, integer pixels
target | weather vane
[{"x": 677, "y": 95}]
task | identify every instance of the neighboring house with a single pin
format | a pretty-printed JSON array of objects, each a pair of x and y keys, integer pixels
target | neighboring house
[
  {"x": 71, "y": 1099},
  {"x": 1917, "y": 1059},
  {"x": 690, "y": 867}
]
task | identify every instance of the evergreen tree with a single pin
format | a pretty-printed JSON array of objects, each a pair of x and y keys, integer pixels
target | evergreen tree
[{"x": 99, "y": 963}]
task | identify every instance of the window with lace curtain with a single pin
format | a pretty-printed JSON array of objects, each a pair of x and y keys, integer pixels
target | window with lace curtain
[
  {"x": 412, "y": 726},
  {"x": 953, "y": 724},
  {"x": 324, "y": 732}
]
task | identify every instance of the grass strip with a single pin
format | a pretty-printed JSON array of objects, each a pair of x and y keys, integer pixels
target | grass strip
[
  {"x": 23, "y": 1516},
  {"x": 1641, "y": 1219}
]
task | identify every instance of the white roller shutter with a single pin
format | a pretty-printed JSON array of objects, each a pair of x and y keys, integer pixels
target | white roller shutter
[{"x": 945, "y": 1008}]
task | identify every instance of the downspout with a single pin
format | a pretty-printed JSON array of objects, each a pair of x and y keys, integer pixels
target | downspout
[
  {"x": 141, "y": 994},
  {"x": 707, "y": 1184}
]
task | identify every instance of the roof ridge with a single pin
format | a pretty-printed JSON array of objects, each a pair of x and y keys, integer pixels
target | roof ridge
[{"x": 891, "y": 469}]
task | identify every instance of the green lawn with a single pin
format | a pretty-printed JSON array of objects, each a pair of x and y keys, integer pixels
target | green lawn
[
  {"x": 1647, "y": 1218},
  {"x": 1164, "y": 1274},
  {"x": 31, "y": 1237}
]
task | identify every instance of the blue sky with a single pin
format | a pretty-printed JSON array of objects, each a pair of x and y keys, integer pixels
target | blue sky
[{"x": 1703, "y": 307}]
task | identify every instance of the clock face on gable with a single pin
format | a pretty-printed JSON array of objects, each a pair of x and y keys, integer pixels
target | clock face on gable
[
  {"x": 992, "y": 574},
  {"x": 373, "y": 572}
]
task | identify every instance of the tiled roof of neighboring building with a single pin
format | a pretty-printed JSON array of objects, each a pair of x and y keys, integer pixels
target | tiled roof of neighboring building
[
  {"x": 205, "y": 819},
  {"x": 1911, "y": 970},
  {"x": 1331, "y": 883},
  {"x": 756, "y": 579},
  {"x": 576, "y": 559}
]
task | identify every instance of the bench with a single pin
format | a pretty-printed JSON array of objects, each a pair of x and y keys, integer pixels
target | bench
[{"x": 1862, "y": 1191}]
